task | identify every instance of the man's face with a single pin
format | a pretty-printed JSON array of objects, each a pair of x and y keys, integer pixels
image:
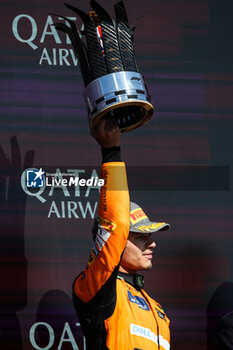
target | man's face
[{"x": 138, "y": 253}]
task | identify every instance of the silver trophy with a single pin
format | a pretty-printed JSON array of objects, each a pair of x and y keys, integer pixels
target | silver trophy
[{"x": 105, "y": 52}]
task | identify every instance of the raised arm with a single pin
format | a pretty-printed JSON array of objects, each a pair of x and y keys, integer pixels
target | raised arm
[{"x": 99, "y": 277}]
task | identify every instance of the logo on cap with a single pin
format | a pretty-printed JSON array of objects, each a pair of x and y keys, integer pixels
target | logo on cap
[{"x": 137, "y": 215}]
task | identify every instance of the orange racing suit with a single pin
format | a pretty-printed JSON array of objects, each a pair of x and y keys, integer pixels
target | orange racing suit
[{"x": 114, "y": 311}]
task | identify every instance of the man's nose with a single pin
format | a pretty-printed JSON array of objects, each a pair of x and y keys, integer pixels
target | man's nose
[{"x": 151, "y": 244}]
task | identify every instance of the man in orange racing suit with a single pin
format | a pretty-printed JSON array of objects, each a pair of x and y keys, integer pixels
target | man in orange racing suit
[{"x": 114, "y": 311}]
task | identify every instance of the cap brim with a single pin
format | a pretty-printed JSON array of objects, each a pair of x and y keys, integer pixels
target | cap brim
[{"x": 150, "y": 227}]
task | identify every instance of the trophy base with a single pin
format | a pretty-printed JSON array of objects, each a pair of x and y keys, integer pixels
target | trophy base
[
  {"x": 122, "y": 95},
  {"x": 128, "y": 116}
]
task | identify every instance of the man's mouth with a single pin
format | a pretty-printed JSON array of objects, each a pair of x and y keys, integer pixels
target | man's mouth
[{"x": 148, "y": 255}]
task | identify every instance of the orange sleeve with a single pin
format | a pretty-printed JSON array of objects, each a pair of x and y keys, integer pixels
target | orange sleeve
[{"x": 112, "y": 233}]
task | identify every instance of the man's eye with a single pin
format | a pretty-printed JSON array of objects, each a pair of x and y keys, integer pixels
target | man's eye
[
  {"x": 140, "y": 236},
  {"x": 144, "y": 236}
]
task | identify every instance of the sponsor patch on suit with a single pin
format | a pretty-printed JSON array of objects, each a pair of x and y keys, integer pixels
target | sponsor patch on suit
[{"x": 139, "y": 301}]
